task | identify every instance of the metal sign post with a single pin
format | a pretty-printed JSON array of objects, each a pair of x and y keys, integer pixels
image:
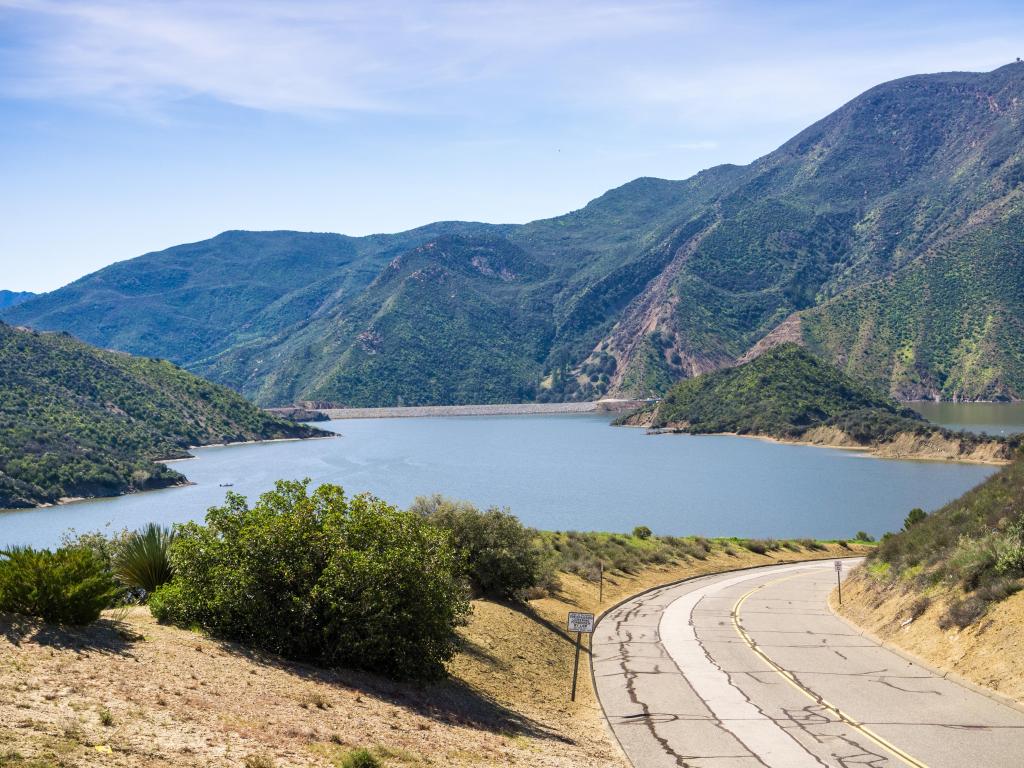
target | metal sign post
[
  {"x": 839, "y": 579},
  {"x": 600, "y": 577},
  {"x": 579, "y": 623}
]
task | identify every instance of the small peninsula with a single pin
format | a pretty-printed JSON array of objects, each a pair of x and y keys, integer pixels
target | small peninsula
[
  {"x": 789, "y": 394},
  {"x": 77, "y": 422}
]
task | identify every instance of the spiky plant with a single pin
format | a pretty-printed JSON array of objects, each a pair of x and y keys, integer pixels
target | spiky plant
[{"x": 141, "y": 558}]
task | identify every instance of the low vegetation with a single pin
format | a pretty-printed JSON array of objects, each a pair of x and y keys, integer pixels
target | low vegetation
[
  {"x": 971, "y": 549},
  {"x": 69, "y": 586},
  {"x": 77, "y": 421}
]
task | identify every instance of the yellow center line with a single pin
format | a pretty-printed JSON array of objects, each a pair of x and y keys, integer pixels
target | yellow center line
[{"x": 791, "y": 679}]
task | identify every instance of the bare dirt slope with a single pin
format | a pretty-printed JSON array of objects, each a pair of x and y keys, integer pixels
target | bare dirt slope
[{"x": 130, "y": 692}]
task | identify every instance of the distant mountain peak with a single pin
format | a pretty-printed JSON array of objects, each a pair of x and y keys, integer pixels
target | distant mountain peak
[{"x": 886, "y": 237}]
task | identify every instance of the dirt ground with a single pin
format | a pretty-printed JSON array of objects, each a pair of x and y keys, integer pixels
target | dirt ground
[
  {"x": 130, "y": 692},
  {"x": 987, "y": 653}
]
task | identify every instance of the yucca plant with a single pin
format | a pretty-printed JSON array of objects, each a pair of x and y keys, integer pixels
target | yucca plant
[{"x": 141, "y": 560}]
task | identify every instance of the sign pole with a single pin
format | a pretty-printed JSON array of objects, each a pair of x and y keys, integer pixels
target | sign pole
[
  {"x": 579, "y": 623},
  {"x": 839, "y": 580},
  {"x": 576, "y": 666},
  {"x": 600, "y": 593}
]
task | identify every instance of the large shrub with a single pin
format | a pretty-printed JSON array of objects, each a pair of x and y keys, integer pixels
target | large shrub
[
  {"x": 69, "y": 586},
  {"x": 320, "y": 577},
  {"x": 503, "y": 558}
]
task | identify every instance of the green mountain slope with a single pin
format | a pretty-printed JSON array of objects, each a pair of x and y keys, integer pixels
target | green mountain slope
[
  {"x": 885, "y": 237},
  {"x": 948, "y": 324},
  {"x": 79, "y": 421},
  {"x": 791, "y": 394},
  {"x": 11, "y": 298},
  {"x": 782, "y": 393}
]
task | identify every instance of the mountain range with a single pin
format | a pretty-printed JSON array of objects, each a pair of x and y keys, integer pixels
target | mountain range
[
  {"x": 887, "y": 238},
  {"x": 10, "y": 298}
]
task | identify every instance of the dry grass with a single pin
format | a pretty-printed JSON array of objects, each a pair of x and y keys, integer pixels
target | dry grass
[
  {"x": 129, "y": 692},
  {"x": 987, "y": 653}
]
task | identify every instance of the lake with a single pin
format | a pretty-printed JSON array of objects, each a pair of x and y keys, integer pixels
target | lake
[
  {"x": 556, "y": 472},
  {"x": 991, "y": 418}
]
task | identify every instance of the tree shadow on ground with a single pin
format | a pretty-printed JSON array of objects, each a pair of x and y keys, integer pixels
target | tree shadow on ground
[
  {"x": 108, "y": 635},
  {"x": 452, "y": 701}
]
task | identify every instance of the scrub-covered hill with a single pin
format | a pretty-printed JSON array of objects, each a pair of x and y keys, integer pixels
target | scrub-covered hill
[
  {"x": 947, "y": 587},
  {"x": 76, "y": 421},
  {"x": 790, "y": 394},
  {"x": 886, "y": 237}
]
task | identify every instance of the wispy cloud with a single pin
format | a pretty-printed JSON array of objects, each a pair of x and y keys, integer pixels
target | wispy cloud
[{"x": 295, "y": 56}]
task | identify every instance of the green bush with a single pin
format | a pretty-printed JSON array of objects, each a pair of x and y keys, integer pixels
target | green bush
[
  {"x": 140, "y": 559},
  {"x": 915, "y": 516},
  {"x": 322, "y": 578},
  {"x": 642, "y": 532},
  {"x": 69, "y": 586},
  {"x": 360, "y": 758},
  {"x": 864, "y": 537},
  {"x": 503, "y": 558}
]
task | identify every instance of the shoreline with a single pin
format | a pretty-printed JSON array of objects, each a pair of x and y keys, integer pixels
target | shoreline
[
  {"x": 68, "y": 500},
  {"x": 865, "y": 450}
]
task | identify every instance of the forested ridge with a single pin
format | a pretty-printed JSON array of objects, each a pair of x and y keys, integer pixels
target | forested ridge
[{"x": 79, "y": 421}]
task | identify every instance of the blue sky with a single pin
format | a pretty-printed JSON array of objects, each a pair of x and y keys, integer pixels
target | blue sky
[{"x": 128, "y": 126}]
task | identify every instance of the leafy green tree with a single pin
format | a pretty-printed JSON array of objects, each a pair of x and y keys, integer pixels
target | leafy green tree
[
  {"x": 915, "y": 516},
  {"x": 503, "y": 557},
  {"x": 323, "y": 578},
  {"x": 642, "y": 532}
]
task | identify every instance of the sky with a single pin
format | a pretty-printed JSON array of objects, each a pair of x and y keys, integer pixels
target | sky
[{"x": 129, "y": 126}]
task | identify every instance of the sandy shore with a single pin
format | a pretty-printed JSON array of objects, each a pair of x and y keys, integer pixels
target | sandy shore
[{"x": 875, "y": 452}]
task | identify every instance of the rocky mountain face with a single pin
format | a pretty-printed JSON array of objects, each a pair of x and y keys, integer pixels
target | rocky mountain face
[{"x": 885, "y": 237}]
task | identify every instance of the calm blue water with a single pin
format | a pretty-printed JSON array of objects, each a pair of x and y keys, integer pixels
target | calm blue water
[
  {"x": 991, "y": 418},
  {"x": 554, "y": 472}
]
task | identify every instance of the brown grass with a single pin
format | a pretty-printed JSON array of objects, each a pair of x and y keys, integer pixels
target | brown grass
[
  {"x": 988, "y": 653},
  {"x": 176, "y": 697}
]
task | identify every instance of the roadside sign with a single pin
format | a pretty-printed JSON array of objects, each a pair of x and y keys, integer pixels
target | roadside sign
[
  {"x": 839, "y": 566},
  {"x": 581, "y": 622},
  {"x": 839, "y": 579}
]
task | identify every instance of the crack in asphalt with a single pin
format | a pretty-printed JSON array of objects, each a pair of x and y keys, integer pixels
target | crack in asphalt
[
  {"x": 631, "y": 676},
  {"x": 636, "y": 653},
  {"x": 728, "y": 676}
]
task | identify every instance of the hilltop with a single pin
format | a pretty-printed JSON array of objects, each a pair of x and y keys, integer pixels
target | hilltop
[
  {"x": 788, "y": 393},
  {"x": 12, "y": 298},
  {"x": 886, "y": 238},
  {"x": 76, "y": 421}
]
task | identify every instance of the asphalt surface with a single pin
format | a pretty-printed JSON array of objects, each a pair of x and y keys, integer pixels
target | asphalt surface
[{"x": 751, "y": 668}]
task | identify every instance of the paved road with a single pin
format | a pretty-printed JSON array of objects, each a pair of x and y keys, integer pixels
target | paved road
[{"x": 751, "y": 668}]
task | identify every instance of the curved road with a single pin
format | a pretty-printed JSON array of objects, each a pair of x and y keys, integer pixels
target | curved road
[{"x": 751, "y": 668}]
